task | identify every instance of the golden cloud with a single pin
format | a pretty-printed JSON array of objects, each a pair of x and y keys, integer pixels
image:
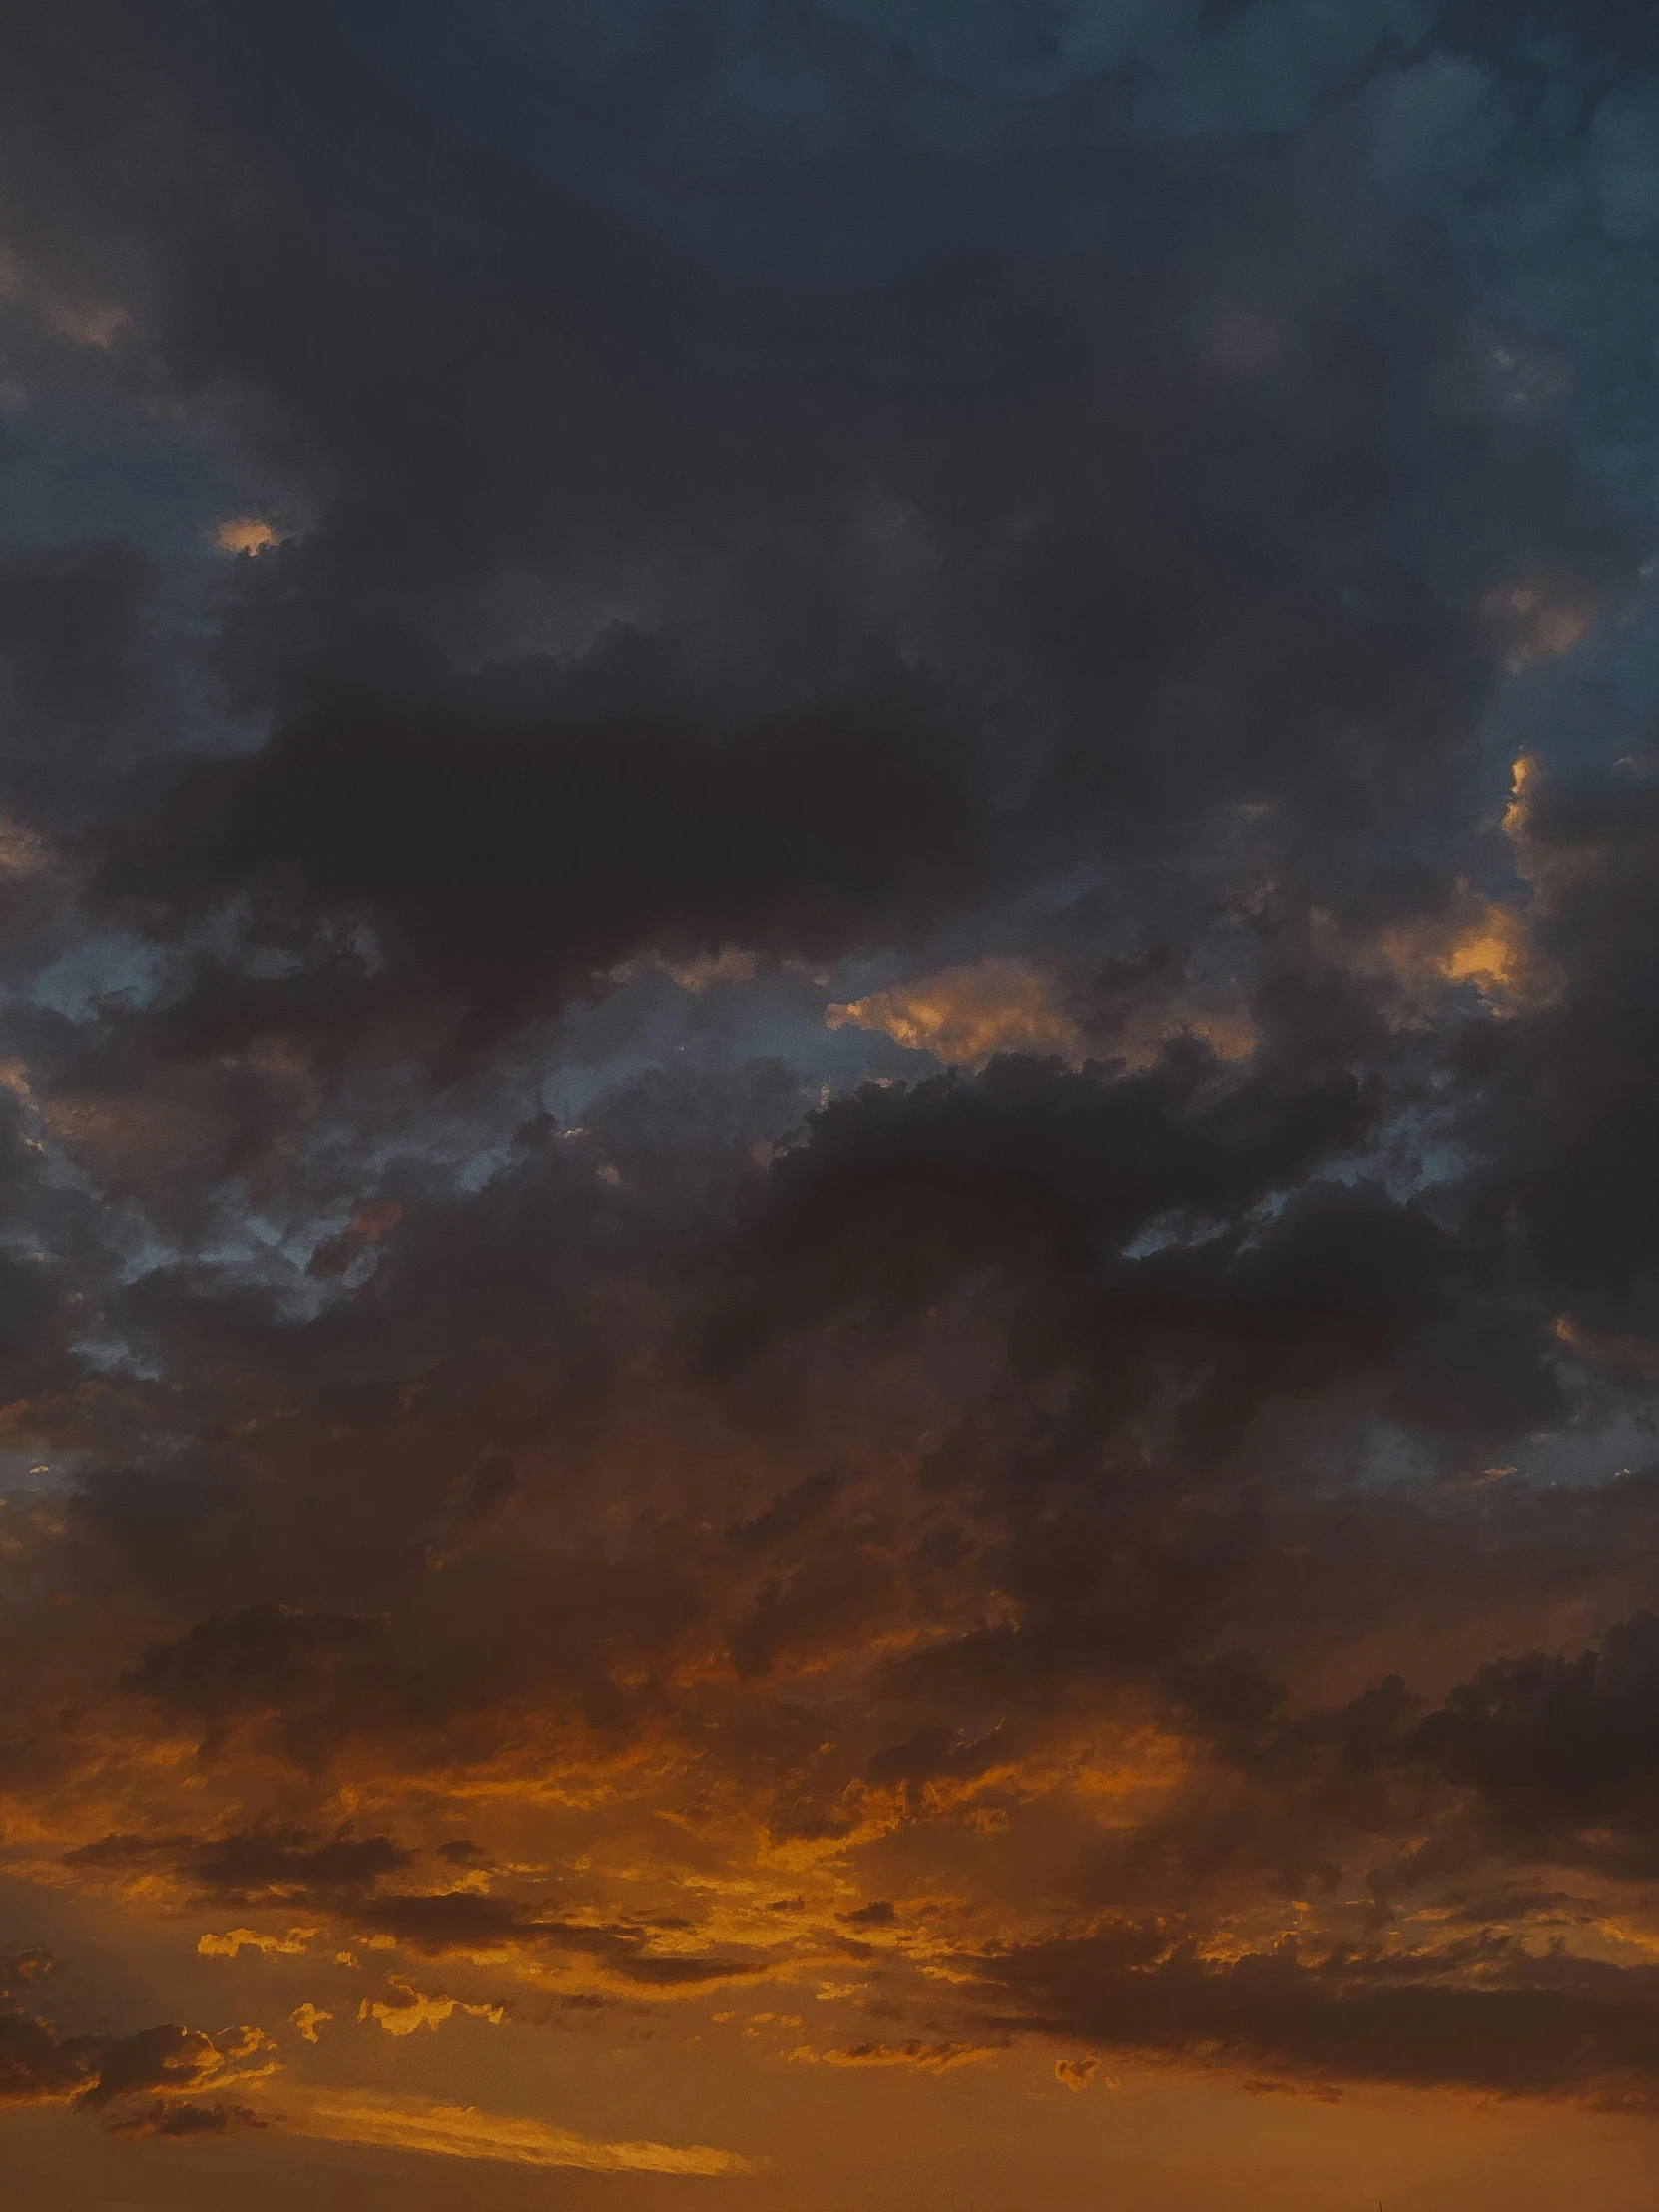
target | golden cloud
[
  {"x": 1075, "y": 2074},
  {"x": 965, "y": 1015},
  {"x": 408, "y": 2010},
  {"x": 308, "y": 2020},
  {"x": 461, "y": 2131},
  {"x": 1473, "y": 940},
  {"x": 237, "y": 1939},
  {"x": 245, "y": 534},
  {"x": 922, "y": 2058}
]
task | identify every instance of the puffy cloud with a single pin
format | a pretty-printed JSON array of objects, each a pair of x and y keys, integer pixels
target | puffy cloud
[
  {"x": 237, "y": 1939},
  {"x": 968, "y": 1014},
  {"x": 310, "y": 2020},
  {"x": 1076, "y": 2073},
  {"x": 1563, "y": 1750},
  {"x": 408, "y": 2009},
  {"x": 144, "y": 2082},
  {"x": 37, "y": 2067},
  {"x": 174, "y": 2060},
  {"x": 245, "y": 534}
]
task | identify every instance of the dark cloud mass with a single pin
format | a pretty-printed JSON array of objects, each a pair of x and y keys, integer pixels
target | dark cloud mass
[
  {"x": 829, "y": 849},
  {"x": 104, "y": 2073}
]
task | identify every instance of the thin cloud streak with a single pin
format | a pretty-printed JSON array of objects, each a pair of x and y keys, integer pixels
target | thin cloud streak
[{"x": 439, "y": 2130}]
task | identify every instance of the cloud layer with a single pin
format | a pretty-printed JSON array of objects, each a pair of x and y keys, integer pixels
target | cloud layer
[{"x": 829, "y": 845}]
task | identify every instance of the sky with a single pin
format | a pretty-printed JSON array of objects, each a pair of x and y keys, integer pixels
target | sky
[{"x": 829, "y": 1086}]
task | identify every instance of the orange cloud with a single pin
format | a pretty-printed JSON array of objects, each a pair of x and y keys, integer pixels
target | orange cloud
[
  {"x": 1473, "y": 940},
  {"x": 245, "y": 534},
  {"x": 965, "y": 1015},
  {"x": 409, "y": 2009},
  {"x": 934, "y": 2058},
  {"x": 1075, "y": 2074},
  {"x": 237, "y": 1939},
  {"x": 461, "y": 2131}
]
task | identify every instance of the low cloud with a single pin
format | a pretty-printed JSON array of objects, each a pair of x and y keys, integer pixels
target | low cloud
[
  {"x": 461, "y": 2131},
  {"x": 1411, "y": 2018},
  {"x": 1075, "y": 2073},
  {"x": 237, "y": 1939},
  {"x": 407, "y": 2009},
  {"x": 922, "y": 2058}
]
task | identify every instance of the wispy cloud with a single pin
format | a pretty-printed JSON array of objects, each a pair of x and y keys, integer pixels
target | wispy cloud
[{"x": 463, "y": 2131}]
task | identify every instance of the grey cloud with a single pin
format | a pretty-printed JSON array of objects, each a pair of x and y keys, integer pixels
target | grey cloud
[{"x": 1529, "y": 2028}]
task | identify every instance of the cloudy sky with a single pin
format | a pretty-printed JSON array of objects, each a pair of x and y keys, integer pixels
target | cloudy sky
[{"x": 828, "y": 1104}]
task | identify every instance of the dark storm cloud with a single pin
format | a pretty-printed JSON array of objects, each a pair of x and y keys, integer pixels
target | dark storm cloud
[
  {"x": 1562, "y": 1750},
  {"x": 1192, "y": 1219},
  {"x": 71, "y": 641},
  {"x": 1584, "y": 1081},
  {"x": 1112, "y": 500},
  {"x": 100, "y": 2073},
  {"x": 1547, "y": 1760},
  {"x": 34, "y": 2067},
  {"x": 35, "y": 2064},
  {"x": 155, "y": 2058},
  {"x": 268, "y": 1864},
  {"x": 252, "y": 1659},
  {"x": 344, "y": 1877},
  {"x": 457, "y": 855},
  {"x": 503, "y": 857},
  {"x": 791, "y": 794},
  {"x": 1516, "y": 2026}
]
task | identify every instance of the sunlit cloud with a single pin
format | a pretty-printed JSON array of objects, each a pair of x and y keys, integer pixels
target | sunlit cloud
[
  {"x": 964, "y": 1015},
  {"x": 920, "y": 2057},
  {"x": 237, "y": 1939},
  {"x": 1075, "y": 2074},
  {"x": 461, "y": 2131},
  {"x": 246, "y": 534},
  {"x": 1472, "y": 942},
  {"x": 407, "y": 2009}
]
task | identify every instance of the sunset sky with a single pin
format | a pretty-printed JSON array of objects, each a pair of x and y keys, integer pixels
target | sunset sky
[{"x": 828, "y": 1105}]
